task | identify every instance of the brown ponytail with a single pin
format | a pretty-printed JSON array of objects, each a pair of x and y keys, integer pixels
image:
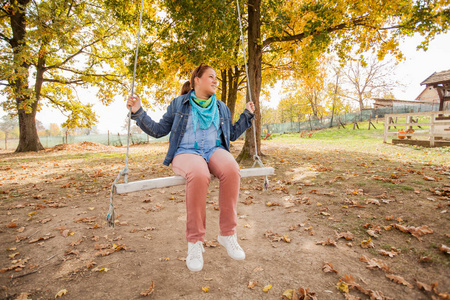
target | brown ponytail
[{"x": 185, "y": 88}]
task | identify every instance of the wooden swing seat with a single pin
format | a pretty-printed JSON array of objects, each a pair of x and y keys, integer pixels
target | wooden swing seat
[{"x": 157, "y": 183}]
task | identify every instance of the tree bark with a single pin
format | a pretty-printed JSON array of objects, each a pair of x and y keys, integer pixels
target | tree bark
[
  {"x": 26, "y": 106},
  {"x": 254, "y": 78},
  {"x": 233, "y": 82},
  {"x": 223, "y": 74}
]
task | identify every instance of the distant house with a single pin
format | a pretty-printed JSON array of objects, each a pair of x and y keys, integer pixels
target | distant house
[
  {"x": 436, "y": 92},
  {"x": 383, "y": 102},
  {"x": 439, "y": 81},
  {"x": 429, "y": 95}
]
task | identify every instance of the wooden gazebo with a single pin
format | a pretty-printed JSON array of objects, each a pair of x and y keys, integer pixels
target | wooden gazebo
[{"x": 441, "y": 82}]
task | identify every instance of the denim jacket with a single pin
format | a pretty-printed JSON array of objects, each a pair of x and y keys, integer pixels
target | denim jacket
[{"x": 175, "y": 119}]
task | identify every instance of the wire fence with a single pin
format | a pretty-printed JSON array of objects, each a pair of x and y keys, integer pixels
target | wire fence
[
  {"x": 109, "y": 139},
  {"x": 308, "y": 125},
  {"x": 364, "y": 115}
]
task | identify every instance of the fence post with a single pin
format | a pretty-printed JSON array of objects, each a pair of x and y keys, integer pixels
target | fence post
[
  {"x": 386, "y": 127},
  {"x": 433, "y": 117}
]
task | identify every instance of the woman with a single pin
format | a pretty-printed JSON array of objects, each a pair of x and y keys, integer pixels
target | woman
[{"x": 201, "y": 130}]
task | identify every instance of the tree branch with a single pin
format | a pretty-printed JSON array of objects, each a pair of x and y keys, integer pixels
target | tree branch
[
  {"x": 62, "y": 81},
  {"x": 300, "y": 36},
  {"x": 79, "y": 52},
  {"x": 5, "y": 38}
]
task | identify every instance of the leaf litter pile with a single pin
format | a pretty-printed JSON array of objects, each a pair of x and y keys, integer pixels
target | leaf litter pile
[{"x": 334, "y": 224}]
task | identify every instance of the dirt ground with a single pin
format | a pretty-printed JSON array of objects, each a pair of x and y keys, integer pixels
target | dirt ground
[{"x": 342, "y": 224}]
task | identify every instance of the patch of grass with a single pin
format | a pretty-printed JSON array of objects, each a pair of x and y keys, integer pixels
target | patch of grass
[
  {"x": 421, "y": 182},
  {"x": 397, "y": 186}
]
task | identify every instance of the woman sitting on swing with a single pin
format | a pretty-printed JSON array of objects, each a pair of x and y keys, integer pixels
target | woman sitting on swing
[{"x": 201, "y": 130}]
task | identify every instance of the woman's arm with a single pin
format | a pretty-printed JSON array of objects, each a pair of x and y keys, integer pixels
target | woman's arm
[
  {"x": 149, "y": 126},
  {"x": 244, "y": 122}
]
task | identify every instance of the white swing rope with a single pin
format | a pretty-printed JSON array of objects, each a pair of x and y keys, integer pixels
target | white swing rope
[
  {"x": 111, "y": 213},
  {"x": 256, "y": 158}
]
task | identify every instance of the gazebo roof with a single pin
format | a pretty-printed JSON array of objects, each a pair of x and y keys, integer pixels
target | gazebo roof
[{"x": 437, "y": 77}]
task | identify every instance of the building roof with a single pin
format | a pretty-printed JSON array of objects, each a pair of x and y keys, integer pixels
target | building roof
[
  {"x": 437, "y": 77},
  {"x": 398, "y": 100}
]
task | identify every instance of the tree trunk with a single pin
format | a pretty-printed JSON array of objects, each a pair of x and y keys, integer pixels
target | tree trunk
[
  {"x": 223, "y": 74},
  {"x": 26, "y": 105},
  {"x": 254, "y": 78},
  {"x": 233, "y": 82}
]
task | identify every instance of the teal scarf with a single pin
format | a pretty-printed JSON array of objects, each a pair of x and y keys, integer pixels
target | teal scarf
[{"x": 204, "y": 116}]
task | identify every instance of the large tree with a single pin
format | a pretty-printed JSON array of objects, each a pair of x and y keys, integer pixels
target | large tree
[
  {"x": 305, "y": 29},
  {"x": 51, "y": 47}
]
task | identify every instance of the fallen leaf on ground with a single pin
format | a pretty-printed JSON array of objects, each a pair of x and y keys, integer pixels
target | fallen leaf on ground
[
  {"x": 374, "y": 263},
  {"x": 303, "y": 294},
  {"x": 424, "y": 259},
  {"x": 399, "y": 280},
  {"x": 415, "y": 231},
  {"x": 17, "y": 266},
  {"x": 23, "y": 296},
  {"x": 373, "y": 201},
  {"x": 424, "y": 286},
  {"x": 61, "y": 293},
  {"x": 444, "y": 249},
  {"x": 42, "y": 238},
  {"x": 328, "y": 268},
  {"x": 342, "y": 287},
  {"x": 11, "y": 225},
  {"x": 328, "y": 242},
  {"x": 210, "y": 244},
  {"x": 205, "y": 289},
  {"x": 367, "y": 244},
  {"x": 287, "y": 294},
  {"x": 346, "y": 235},
  {"x": 387, "y": 253},
  {"x": 149, "y": 291},
  {"x": 251, "y": 284},
  {"x": 267, "y": 288}
]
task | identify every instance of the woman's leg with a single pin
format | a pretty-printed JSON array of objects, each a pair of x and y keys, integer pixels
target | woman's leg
[
  {"x": 195, "y": 169},
  {"x": 223, "y": 165}
]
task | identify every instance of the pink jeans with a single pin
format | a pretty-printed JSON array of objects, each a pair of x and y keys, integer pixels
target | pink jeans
[{"x": 197, "y": 173}]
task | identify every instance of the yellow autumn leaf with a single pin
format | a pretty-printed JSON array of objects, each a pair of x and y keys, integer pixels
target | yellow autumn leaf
[
  {"x": 61, "y": 293},
  {"x": 103, "y": 270},
  {"x": 14, "y": 255},
  {"x": 267, "y": 288},
  {"x": 342, "y": 286},
  {"x": 31, "y": 213},
  {"x": 205, "y": 289},
  {"x": 71, "y": 233},
  {"x": 288, "y": 294}
]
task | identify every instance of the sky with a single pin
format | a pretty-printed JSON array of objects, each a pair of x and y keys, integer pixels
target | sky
[{"x": 417, "y": 66}]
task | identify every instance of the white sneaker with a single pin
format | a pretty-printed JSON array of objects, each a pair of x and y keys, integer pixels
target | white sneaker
[
  {"x": 194, "y": 260},
  {"x": 230, "y": 243}
]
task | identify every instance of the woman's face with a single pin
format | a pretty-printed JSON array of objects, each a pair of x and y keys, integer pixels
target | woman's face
[{"x": 207, "y": 84}]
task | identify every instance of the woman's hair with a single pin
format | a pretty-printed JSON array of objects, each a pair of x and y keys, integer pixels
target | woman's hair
[
  {"x": 185, "y": 88},
  {"x": 198, "y": 72}
]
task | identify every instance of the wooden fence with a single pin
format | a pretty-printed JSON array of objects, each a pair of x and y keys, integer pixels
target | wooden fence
[{"x": 438, "y": 123}]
